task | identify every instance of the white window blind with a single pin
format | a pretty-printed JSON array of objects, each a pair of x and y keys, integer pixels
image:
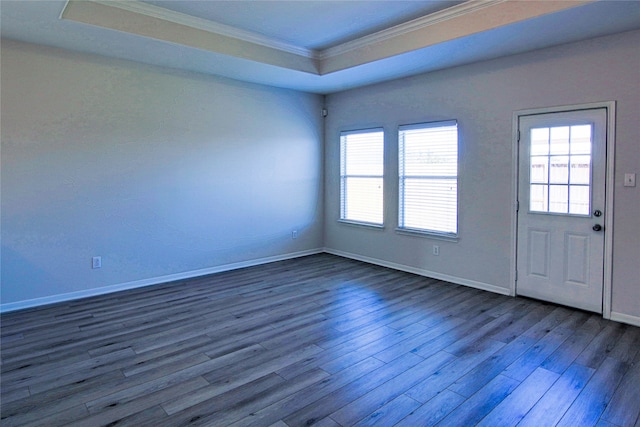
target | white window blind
[
  {"x": 361, "y": 176},
  {"x": 428, "y": 155}
]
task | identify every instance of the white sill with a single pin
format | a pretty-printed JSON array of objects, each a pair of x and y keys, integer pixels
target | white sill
[
  {"x": 362, "y": 224},
  {"x": 428, "y": 234}
]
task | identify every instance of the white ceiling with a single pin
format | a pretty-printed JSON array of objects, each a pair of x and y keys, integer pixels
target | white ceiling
[{"x": 311, "y": 45}]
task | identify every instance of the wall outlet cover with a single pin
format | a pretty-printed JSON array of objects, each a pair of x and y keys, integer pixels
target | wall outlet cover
[
  {"x": 629, "y": 179},
  {"x": 96, "y": 262}
]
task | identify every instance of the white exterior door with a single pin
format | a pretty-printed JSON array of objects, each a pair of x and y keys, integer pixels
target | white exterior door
[{"x": 561, "y": 215}]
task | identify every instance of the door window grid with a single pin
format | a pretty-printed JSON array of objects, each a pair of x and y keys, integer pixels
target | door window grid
[{"x": 560, "y": 170}]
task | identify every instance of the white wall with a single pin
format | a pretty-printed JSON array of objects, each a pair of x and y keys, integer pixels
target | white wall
[
  {"x": 483, "y": 97},
  {"x": 163, "y": 173},
  {"x": 159, "y": 172}
]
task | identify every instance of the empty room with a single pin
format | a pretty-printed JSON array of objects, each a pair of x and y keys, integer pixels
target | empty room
[{"x": 328, "y": 213}]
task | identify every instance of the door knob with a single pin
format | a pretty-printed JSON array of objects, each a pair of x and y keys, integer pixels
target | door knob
[
  {"x": 597, "y": 213},
  {"x": 597, "y": 227}
]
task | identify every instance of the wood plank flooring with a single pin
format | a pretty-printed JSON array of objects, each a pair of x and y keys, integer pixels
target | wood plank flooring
[{"x": 322, "y": 341}]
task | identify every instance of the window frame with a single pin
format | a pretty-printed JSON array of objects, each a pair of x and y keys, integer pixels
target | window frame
[
  {"x": 343, "y": 177},
  {"x": 402, "y": 177}
]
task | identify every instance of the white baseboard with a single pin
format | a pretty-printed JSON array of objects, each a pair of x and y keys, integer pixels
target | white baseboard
[
  {"x": 422, "y": 272},
  {"x": 625, "y": 318},
  {"x": 36, "y": 302},
  {"x": 617, "y": 317}
]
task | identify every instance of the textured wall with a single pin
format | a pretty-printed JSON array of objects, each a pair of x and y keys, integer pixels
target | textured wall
[
  {"x": 156, "y": 171},
  {"x": 483, "y": 98}
]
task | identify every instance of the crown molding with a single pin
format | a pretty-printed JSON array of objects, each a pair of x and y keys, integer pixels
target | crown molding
[
  {"x": 136, "y": 6},
  {"x": 168, "y": 15},
  {"x": 459, "y": 21},
  {"x": 408, "y": 27}
]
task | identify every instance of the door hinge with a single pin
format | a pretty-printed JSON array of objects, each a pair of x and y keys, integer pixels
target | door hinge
[
  {"x": 516, "y": 279},
  {"x": 518, "y": 135},
  {"x": 517, "y": 206}
]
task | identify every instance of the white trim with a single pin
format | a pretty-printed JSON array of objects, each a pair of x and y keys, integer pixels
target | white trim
[
  {"x": 421, "y": 272},
  {"x": 408, "y": 27},
  {"x": 418, "y": 232},
  {"x": 608, "y": 205},
  {"x": 36, "y": 302},
  {"x": 625, "y": 318},
  {"x": 610, "y": 106},
  {"x": 361, "y": 131},
  {"x": 514, "y": 211},
  {"x": 362, "y": 224},
  {"x": 423, "y": 32},
  {"x": 158, "y": 12},
  {"x": 428, "y": 125},
  {"x": 206, "y": 25},
  {"x": 66, "y": 5}
]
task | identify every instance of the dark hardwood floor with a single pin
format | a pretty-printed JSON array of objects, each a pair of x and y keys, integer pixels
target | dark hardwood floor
[{"x": 322, "y": 341}]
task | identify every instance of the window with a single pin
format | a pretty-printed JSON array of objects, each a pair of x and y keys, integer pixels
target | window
[
  {"x": 560, "y": 175},
  {"x": 428, "y": 155},
  {"x": 361, "y": 176}
]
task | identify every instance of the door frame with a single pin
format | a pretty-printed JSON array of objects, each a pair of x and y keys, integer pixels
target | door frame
[{"x": 610, "y": 107}]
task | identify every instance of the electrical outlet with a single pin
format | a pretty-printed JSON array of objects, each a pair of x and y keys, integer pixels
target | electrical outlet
[
  {"x": 96, "y": 262},
  {"x": 436, "y": 250},
  {"x": 294, "y": 234}
]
